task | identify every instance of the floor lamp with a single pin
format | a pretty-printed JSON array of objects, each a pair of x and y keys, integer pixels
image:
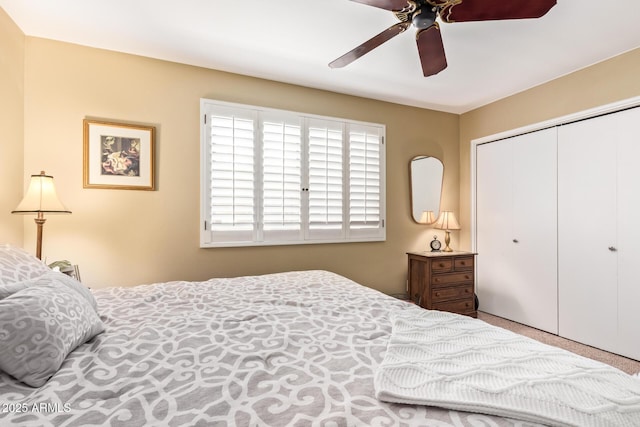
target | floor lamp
[{"x": 39, "y": 199}]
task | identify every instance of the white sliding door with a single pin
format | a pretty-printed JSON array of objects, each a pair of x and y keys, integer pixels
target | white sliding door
[
  {"x": 516, "y": 209},
  {"x": 628, "y": 240},
  {"x": 587, "y": 231},
  {"x": 535, "y": 228},
  {"x": 494, "y": 179}
]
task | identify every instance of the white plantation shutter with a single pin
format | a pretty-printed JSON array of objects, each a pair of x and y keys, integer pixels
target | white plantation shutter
[
  {"x": 325, "y": 154},
  {"x": 281, "y": 178},
  {"x": 274, "y": 177},
  {"x": 232, "y": 177},
  {"x": 365, "y": 189}
]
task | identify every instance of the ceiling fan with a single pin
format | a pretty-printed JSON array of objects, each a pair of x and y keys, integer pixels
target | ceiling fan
[{"x": 423, "y": 13}]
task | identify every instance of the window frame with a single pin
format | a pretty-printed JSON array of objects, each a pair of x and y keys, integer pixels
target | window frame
[{"x": 306, "y": 235}]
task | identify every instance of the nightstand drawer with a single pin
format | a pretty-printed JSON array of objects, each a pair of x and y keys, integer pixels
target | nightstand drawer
[
  {"x": 457, "y": 292},
  {"x": 448, "y": 279},
  {"x": 442, "y": 265},
  {"x": 461, "y": 264},
  {"x": 458, "y": 306}
]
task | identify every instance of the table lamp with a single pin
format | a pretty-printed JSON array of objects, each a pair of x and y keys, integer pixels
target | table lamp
[
  {"x": 447, "y": 221},
  {"x": 39, "y": 199}
]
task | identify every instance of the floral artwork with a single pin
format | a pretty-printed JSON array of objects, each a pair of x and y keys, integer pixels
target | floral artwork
[{"x": 118, "y": 156}]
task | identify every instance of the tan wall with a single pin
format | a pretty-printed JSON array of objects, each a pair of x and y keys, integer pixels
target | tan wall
[
  {"x": 123, "y": 237},
  {"x": 11, "y": 128},
  {"x": 613, "y": 80}
]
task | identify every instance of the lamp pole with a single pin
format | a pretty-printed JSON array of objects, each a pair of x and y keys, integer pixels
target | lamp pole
[{"x": 40, "y": 220}]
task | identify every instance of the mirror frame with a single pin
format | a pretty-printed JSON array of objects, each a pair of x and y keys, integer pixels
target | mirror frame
[{"x": 413, "y": 190}]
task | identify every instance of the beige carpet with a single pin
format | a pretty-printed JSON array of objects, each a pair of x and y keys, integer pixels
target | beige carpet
[{"x": 629, "y": 366}]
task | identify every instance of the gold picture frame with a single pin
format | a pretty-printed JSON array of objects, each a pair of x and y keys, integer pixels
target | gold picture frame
[{"x": 118, "y": 155}]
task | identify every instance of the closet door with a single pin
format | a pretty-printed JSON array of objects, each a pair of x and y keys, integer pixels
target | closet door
[
  {"x": 534, "y": 235},
  {"x": 516, "y": 228},
  {"x": 587, "y": 231},
  {"x": 628, "y": 249},
  {"x": 494, "y": 180}
]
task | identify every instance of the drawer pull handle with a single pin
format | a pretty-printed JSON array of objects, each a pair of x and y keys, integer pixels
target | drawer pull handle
[
  {"x": 515, "y": 240},
  {"x": 466, "y": 291},
  {"x": 613, "y": 249},
  {"x": 466, "y": 304},
  {"x": 441, "y": 265},
  {"x": 467, "y": 277},
  {"x": 437, "y": 294},
  {"x": 463, "y": 263}
]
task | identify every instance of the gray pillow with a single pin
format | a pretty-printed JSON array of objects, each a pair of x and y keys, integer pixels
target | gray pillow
[
  {"x": 17, "y": 265},
  {"x": 56, "y": 276},
  {"x": 11, "y": 288},
  {"x": 50, "y": 276},
  {"x": 39, "y": 326},
  {"x": 47, "y": 274}
]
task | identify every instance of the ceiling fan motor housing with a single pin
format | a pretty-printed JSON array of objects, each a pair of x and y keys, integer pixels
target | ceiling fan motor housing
[{"x": 424, "y": 17}]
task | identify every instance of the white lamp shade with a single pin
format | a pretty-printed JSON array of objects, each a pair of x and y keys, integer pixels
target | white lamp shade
[
  {"x": 447, "y": 221},
  {"x": 427, "y": 217},
  {"x": 41, "y": 197}
]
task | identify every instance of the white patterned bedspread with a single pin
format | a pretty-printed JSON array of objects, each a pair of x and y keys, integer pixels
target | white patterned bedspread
[
  {"x": 447, "y": 360},
  {"x": 289, "y": 349}
]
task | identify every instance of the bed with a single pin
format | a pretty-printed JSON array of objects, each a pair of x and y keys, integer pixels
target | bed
[{"x": 302, "y": 348}]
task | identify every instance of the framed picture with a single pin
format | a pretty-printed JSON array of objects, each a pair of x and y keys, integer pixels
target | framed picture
[{"x": 118, "y": 155}]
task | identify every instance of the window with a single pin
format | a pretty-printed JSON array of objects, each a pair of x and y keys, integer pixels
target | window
[{"x": 272, "y": 177}]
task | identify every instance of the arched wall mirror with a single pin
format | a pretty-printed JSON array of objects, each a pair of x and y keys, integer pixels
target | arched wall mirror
[{"x": 426, "y": 188}]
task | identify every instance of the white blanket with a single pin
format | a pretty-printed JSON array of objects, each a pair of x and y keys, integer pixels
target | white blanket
[{"x": 447, "y": 360}]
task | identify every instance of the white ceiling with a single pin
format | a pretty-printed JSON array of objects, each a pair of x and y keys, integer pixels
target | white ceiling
[{"x": 294, "y": 40}]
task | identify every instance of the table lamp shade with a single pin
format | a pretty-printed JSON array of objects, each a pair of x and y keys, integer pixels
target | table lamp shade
[
  {"x": 41, "y": 197},
  {"x": 447, "y": 221}
]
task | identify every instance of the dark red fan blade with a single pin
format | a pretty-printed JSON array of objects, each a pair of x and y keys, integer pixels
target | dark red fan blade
[
  {"x": 370, "y": 44},
  {"x": 488, "y": 10},
  {"x": 431, "y": 50},
  {"x": 385, "y": 4}
]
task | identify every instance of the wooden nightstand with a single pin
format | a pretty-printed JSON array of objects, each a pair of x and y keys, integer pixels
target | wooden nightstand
[{"x": 443, "y": 281}]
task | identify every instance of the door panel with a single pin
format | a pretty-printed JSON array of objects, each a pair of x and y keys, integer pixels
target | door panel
[
  {"x": 586, "y": 230},
  {"x": 535, "y": 228},
  {"x": 493, "y": 226},
  {"x": 516, "y": 231},
  {"x": 628, "y": 190}
]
